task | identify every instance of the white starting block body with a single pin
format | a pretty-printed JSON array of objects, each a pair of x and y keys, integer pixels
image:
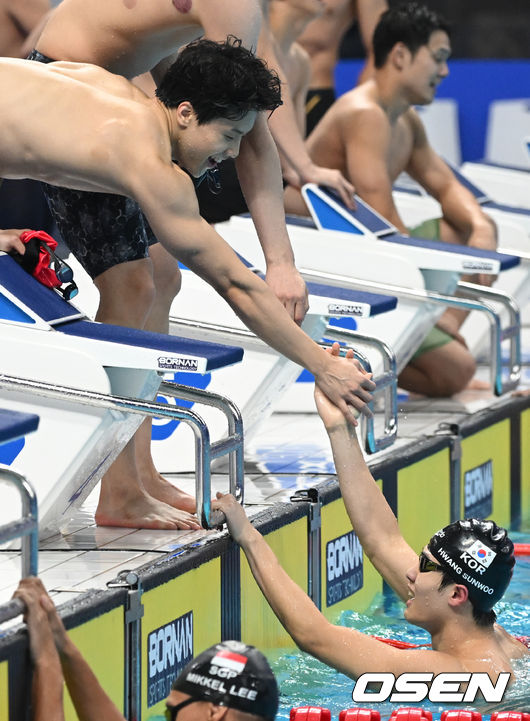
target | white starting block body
[
  {"x": 508, "y": 133},
  {"x": 513, "y": 226},
  {"x": 257, "y": 384},
  {"x": 503, "y": 184},
  {"x": 46, "y": 339}
]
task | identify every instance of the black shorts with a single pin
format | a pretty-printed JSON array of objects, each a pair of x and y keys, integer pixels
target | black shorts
[
  {"x": 215, "y": 208},
  {"x": 100, "y": 229}
]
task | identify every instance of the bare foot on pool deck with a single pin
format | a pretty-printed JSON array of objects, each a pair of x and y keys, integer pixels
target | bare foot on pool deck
[
  {"x": 142, "y": 511},
  {"x": 476, "y": 385},
  {"x": 158, "y": 487}
]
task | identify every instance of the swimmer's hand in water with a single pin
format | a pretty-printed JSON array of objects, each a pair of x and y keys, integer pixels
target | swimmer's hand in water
[
  {"x": 333, "y": 416},
  {"x": 236, "y": 519}
]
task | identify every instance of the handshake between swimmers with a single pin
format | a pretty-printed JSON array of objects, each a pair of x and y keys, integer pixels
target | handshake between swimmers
[{"x": 450, "y": 589}]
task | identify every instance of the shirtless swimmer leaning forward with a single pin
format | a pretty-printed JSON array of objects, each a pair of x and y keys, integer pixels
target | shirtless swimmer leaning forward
[
  {"x": 138, "y": 280},
  {"x": 122, "y": 142}
]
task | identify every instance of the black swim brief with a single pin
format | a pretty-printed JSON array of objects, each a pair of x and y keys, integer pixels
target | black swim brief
[
  {"x": 100, "y": 229},
  {"x": 318, "y": 102}
]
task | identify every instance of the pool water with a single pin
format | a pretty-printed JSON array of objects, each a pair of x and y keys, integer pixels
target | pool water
[{"x": 305, "y": 681}]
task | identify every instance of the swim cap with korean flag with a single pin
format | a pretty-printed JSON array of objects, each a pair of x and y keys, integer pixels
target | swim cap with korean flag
[
  {"x": 477, "y": 554},
  {"x": 232, "y": 674}
]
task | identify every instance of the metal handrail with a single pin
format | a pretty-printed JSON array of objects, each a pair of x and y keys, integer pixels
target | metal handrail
[
  {"x": 430, "y": 296},
  {"x": 205, "y": 451},
  {"x": 232, "y": 445},
  {"x": 386, "y": 385},
  {"x": 512, "y": 333},
  {"x": 25, "y": 528},
  {"x": 386, "y": 382}
]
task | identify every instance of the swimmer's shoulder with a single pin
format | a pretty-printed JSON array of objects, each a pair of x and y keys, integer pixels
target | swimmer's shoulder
[
  {"x": 97, "y": 77},
  {"x": 359, "y": 109},
  {"x": 511, "y": 646}
]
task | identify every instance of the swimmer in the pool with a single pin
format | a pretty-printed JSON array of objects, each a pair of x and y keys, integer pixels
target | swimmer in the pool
[
  {"x": 450, "y": 590},
  {"x": 80, "y": 126},
  {"x": 373, "y": 133}
]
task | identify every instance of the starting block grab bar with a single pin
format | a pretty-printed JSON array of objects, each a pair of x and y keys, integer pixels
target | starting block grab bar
[
  {"x": 205, "y": 451},
  {"x": 386, "y": 383},
  {"x": 26, "y": 528},
  {"x": 512, "y": 332}
]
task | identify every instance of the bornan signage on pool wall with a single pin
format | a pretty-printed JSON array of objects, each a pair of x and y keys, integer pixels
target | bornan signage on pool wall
[
  {"x": 478, "y": 491},
  {"x": 169, "y": 649},
  {"x": 344, "y": 567}
]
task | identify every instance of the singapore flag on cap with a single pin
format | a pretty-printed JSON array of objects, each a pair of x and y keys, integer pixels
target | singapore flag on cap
[
  {"x": 228, "y": 659},
  {"x": 482, "y": 553}
]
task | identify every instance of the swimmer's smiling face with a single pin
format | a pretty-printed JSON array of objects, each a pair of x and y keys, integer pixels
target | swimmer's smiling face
[
  {"x": 426, "y": 605},
  {"x": 201, "y": 147},
  {"x": 428, "y": 67}
]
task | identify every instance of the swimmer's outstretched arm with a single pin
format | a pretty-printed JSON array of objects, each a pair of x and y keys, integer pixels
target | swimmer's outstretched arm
[
  {"x": 258, "y": 170},
  {"x": 47, "y": 681},
  {"x": 349, "y": 651},
  {"x": 89, "y": 698},
  {"x": 372, "y": 518},
  {"x": 167, "y": 198}
]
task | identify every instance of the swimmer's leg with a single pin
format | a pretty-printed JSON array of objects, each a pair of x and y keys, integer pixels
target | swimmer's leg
[
  {"x": 167, "y": 281},
  {"x": 127, "y": 297},
  {"x": 439, "y": 373}
]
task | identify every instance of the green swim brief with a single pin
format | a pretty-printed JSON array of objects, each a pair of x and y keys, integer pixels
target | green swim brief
[
  {"x": 429, "y": 229},
  {"x": 435, "y": 339}
]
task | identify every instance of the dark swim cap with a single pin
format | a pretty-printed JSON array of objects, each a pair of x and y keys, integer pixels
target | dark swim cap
[
  {"x": 477, "y": 554},
  {"x": 232, "y": 674}
]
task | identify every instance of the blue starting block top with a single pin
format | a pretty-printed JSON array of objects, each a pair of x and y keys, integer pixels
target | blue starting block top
[
  {"x": 65, "y": 318},
  {"x": 216, "y": 355},
  {"x": 378, "y": 303},
  {"x": 506, "y": 261},
  {"x": 503, "y": 166},
  {"x": 349, "y": 298},
  {"x": 14, "y": 424},
  {"x": 342, "y": 218},
  {"x": 484, "y": 200},
  {"x": 46, "y": 303}
]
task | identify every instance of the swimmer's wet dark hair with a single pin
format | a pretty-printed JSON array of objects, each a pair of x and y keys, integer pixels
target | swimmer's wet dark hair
[
  {"x": 411, "y": 24},
  {"x": 220, "y": 80}
]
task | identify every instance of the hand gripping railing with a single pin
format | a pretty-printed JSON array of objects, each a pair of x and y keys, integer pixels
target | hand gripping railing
[
  {"x": 386, "y": 387},
  {"x": 26, "y": 528},
  {"x": 386, "y": 383},
  {"x": 513, "y": 332},
  {"x": 205, "y": 451},
  {"x": 498, "y": 334}
]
